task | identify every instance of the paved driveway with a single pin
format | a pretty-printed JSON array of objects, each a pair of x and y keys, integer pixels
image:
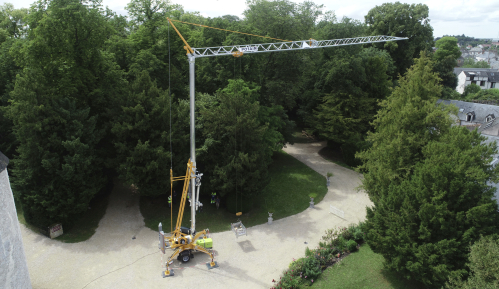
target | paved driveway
[{"x": 112, "y": 259}]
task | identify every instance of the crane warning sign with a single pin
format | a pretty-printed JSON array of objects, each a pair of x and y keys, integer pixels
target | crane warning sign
[{"x": 248, "y": 49}]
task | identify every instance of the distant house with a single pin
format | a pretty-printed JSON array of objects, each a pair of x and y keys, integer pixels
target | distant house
[
  {"x": 486, "y": 45},
  {"x": 476, "y": 51},
  {"x": 495, "y": 43},
  {"x": 469, "y": 47},
  {"x": 484, "y": 77},
  {"x": 479, "y": 46},
  {"x": 484, "y": 117}
]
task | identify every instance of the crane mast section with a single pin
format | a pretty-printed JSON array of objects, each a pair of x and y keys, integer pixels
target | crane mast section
[{"x": 287, "y": 46}]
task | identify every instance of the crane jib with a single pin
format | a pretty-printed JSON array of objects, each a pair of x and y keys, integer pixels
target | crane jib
[{"x": 238, "y": 50}]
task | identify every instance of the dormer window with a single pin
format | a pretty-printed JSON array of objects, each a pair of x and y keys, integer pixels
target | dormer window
[
  {"x": 489, "y": 117},
  {"x": 470, "y": 116}
]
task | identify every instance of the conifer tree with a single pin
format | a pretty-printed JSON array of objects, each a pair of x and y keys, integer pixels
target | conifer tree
[{"x": 428, "y": 182}]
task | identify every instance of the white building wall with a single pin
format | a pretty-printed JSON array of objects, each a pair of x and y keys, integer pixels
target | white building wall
[
  {"x": 461, "y": 82},
  {"x": 13, "y": 266}
]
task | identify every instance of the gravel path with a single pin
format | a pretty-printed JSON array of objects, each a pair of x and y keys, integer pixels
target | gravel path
[{"x": 112, "y": 259}]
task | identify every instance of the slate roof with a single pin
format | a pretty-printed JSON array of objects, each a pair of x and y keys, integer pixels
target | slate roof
[
  {"x": 4, "y": 161},
  {"x": 458, "y": 70},
  {"x": 481, "y": 111}
]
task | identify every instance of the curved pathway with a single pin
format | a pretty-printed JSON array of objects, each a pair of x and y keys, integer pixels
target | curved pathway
[{"x": 113, "y": 259}]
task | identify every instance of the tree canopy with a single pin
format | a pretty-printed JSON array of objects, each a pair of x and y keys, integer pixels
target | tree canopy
[
  {"x": 428, "y": 182},
  {"x": 402, "y": 20}
]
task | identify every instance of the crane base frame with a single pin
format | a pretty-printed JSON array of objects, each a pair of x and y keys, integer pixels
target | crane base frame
[
  {"x": 212, "y": 265},
  {"x": 168, "y": 273}
]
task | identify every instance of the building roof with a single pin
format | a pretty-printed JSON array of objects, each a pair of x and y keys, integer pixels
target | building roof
[
  {"x": 4, "y": 161},
  {"x": 458, "y": 70},
  {"x": 481, "y": 111}
]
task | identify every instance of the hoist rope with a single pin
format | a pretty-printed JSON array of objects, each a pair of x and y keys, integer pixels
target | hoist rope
[
  {"x": 171, "y": 149},
  {"x": 200, "y": 25}
]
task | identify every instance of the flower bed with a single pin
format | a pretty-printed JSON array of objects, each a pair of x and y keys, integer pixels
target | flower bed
[{"x": 335, "y": 245}]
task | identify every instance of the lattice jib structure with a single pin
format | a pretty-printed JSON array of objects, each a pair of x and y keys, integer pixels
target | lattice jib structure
[{"x": 237, "y": 50}]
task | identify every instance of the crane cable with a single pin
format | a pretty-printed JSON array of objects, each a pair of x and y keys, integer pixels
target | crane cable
[
  {"x": 171, "y": 149},
  {"x": 200, "y": 25}
]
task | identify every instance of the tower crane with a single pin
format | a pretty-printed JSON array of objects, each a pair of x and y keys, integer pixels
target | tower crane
[{"x": 185, "y": 240}]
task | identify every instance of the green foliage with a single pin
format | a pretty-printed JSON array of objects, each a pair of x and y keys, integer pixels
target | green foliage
[
  {"x": 484, "y": 266},
  {"x": 471, "y": 90},
  {"x": 483, "y": 94},
  {"x": 356, "y": 85},
  {"x": 288, "y": 280},
  {"x": 401, "y": 20},
  {"x": 445, "y": 69},
  {"x": 234, "y": 151},
  {"x": 311, "y": 268},
  {"x": 449, "y": 93},
  {"x": 352, "y": 246},
  {"x": 308, "y": 252},
  {"x": 447, "y": 46},
  {"x": 61, "y": 108},
  {"x": 141, "y": 131},
  {"x": 428, "y": 183},
  {"x": 472, "y": 63},
  {"x": 296, "y": 267}
]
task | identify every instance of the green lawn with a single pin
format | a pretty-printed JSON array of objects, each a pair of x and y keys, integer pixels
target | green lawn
[
  {"x": 84, "y": 227},
  {"x": 291, "y": 182},
  {"x": 362, "y": 270}
]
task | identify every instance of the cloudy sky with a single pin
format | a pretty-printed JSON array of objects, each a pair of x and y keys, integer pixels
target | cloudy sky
[{"x": 448, "y": 17}]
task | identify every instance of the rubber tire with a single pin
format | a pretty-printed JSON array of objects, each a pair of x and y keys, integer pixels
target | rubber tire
[{"x": 186, "y": 258}]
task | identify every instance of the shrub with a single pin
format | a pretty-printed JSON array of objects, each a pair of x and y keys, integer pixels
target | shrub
[
  {"x": 296, "y": 267},
  {"x": 287, "y": 281},
  {"x": 308, "y": 252},
  {"x": 311, "y": 268},
  {"x": 340, "y": 243},
  {"x": 351, "y": 245},
  {"x": 358, "y": 236},
  {"x": 348, "y": 232}
]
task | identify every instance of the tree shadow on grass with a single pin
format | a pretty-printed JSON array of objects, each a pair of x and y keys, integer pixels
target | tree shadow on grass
[{"x": 398, "y": 281}]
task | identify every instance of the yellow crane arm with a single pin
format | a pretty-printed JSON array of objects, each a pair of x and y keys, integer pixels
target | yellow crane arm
[{"x": 187, "y": 46}]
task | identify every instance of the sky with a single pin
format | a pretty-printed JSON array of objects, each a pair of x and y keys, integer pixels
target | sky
[{"x": 447, "y": 17}]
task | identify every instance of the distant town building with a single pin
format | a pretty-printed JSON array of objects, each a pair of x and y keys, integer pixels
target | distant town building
[
  {"x": 485, "y": 78},
  {"x": 476, "y": 51}
]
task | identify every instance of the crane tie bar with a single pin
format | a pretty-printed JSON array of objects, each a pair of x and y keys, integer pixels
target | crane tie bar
[{"x": 200, "y": 25}]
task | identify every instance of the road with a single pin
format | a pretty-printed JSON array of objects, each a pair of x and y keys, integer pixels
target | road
[{"x": 112, "y": 258}]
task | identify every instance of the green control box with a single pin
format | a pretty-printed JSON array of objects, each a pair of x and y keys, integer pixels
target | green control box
[{"x": 205, "y": 243}]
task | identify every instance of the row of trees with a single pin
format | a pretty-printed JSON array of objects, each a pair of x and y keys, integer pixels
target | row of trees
[{"x": 85, "y": 93}]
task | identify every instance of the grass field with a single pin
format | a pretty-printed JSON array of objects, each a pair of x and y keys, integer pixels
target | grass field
[
  {"x": 291, "y": 183},
  {"x": 84, "y": 227},
  {"x": 362, "y": 270}
]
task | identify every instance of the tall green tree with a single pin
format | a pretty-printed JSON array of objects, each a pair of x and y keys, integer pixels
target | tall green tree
[
  {"x": 428, "y": 182},
  {"x": 446, "y": 59},
  {"x": 142, "y": 137},
  {"x": 235, "y": 152},
  {"x": 62, "y": 107},
  {"x": 447, "y": 46},
  {"x": 401, "y": 20}
]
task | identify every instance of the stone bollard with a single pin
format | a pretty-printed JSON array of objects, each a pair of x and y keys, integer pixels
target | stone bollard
[
  {"x": 270, "y": 219},
  {"x": 311, "y": 202}
]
